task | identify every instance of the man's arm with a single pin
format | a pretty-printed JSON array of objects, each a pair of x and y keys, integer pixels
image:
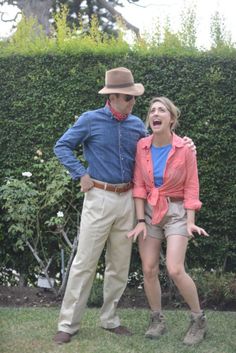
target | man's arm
[{"x": 67, "y": 144}]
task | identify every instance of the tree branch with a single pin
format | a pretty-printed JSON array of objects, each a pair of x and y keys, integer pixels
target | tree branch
[
  {"x": 72, "y": 254},
  {"x": 117, "y": 14},
  {"x": 12, "y": 19},
  {"x": 42, "y": 265}
]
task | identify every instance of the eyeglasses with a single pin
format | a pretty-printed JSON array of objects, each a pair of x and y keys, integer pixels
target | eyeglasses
[{"x": 128, "y": 97}]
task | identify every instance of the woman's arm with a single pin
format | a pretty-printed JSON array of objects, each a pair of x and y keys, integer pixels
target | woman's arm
[
  {"x": 191, "y": 184},
  {"x": 192, "y": 227},
  {"x": 141, "y": 226}
]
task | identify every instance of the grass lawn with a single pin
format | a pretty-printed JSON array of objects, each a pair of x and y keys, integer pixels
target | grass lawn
[{"x": 30, "y": 330}]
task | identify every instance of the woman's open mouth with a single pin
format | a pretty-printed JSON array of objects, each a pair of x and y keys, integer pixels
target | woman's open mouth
[{"x": 156, "y": 123}]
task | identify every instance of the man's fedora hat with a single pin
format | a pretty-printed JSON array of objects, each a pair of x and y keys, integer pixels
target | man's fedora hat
[{"x": 120, "y": 80}]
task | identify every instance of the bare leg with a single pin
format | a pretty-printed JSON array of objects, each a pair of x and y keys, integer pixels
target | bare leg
[
  {"x": 149, "y": 250},
  {"x": 175, "y": 256}
]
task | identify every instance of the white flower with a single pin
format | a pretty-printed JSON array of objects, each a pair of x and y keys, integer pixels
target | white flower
[
  {"x": 99, "y": 276},
  {"x": 35, "y": 158},
  {"x": 60, "y": 214},
  {"x": 39, "y": 153},
  {"x": 41, "y": 160},
  {"x": 27, "y": 174}
]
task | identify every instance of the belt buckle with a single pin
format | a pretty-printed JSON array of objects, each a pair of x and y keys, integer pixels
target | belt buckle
[{"x": 116, "y": 189}]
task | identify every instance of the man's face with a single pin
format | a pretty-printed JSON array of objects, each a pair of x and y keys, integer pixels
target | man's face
[{"x": 123, "y": 103}]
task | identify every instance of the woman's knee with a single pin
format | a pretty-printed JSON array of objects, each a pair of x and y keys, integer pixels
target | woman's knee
[
  {"x": 150, "y": 272},
  {"x": 175, "y": 271}
]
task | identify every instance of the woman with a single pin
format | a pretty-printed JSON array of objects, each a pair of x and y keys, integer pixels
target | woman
[{"x": 166, "y": 194}]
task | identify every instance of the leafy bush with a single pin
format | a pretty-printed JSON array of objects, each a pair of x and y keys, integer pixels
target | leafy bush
[
  {"x": 96, "y": 295},
  {"x": 39, "y": 208},
  {"x": 215, "y": 288},
  {"x": 48, "y": 81}
]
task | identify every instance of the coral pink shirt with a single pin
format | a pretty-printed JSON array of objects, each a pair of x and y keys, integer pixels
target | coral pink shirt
[{"x": 180, "y": 177}]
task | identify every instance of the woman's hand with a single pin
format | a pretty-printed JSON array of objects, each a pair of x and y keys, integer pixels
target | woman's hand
[
  {"x": 140, "y": 228},
  {"x": 193, "y": 228}
]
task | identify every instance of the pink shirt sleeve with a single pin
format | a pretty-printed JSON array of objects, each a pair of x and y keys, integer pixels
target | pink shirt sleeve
[
  {"x": 139, "y": 189},
  {"x": 191, "y": 185}
]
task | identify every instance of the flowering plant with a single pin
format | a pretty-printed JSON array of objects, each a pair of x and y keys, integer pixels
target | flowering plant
[{"x": 42, "y": 211}]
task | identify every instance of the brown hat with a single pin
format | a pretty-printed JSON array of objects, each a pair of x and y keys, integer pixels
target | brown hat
[{"x": 120, "y": 80}]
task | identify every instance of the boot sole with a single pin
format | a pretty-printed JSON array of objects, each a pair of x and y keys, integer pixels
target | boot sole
[
  {"x": 194, "y": 344},
  {"x": 155, "y": 337}
]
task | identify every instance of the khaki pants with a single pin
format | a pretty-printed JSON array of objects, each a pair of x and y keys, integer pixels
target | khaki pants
[{"x": 107, "y": 217}]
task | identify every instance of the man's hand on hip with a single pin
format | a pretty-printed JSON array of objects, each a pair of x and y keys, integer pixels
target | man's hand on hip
[{"x": 86, "y": 183}]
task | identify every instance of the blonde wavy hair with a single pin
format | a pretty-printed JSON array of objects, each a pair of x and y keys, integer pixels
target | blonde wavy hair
[{"x": 170, "y": 106}]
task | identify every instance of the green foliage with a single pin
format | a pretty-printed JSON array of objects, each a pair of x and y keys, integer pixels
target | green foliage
[
  {"x": 221, "y": 39},
  {"x": 63, "y": 31},
  {"x": 28, "y": 39},
  {"x": 36, "y": 206},
  {"x": 46, "y": 82},
  {"x": 96, "y": 295},
  {"x": 188, "y": 32},
  {"x": 215, "y": 287},
  {"x": 85, "y": 10},
  {"x": 87, "y": 36},
  {"x": 20, "y": 200},
  {"x": 41, "y": 95}
]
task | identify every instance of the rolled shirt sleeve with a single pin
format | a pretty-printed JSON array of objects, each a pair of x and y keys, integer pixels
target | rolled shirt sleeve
[
  {"x": 67, "y": 144},
  {"x": 191, "y": 185}
]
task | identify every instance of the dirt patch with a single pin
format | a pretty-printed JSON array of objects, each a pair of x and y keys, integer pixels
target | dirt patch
[
  {"x": 132, "y": 298},
  {"x": 27, "y": 296},
  {"x": 36, "y": 297}
]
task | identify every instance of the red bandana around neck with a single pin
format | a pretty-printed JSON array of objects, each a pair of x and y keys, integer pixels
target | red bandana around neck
[{"x": 115, "y": 113}]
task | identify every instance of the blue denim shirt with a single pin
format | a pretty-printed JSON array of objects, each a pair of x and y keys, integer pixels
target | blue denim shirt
[{"x": 109, "y": 146}]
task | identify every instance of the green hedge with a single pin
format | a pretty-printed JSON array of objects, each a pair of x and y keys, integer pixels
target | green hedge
[{"x": 41, "y": 95}]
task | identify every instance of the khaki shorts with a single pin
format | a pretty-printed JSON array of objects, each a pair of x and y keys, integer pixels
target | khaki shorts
[{"x": 173, "y": 223}]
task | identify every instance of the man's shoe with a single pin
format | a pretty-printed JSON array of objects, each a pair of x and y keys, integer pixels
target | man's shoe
[
  {"x": 197, "y": 329},
  {"x": 119, "y": 330},
  {"x": 62, "y": 337},
  {"x": 157, "y": 326}
]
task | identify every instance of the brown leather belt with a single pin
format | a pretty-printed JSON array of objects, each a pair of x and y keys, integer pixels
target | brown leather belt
[
  {"x": 174, "y": 199},
  {"x": 111, "y": 187}
]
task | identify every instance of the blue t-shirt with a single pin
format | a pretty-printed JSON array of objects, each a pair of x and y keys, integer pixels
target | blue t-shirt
[{"x": 159, "y": 158}]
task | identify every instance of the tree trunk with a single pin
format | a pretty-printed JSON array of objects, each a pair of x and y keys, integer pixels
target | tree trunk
[{"x": 38, "y": 9}]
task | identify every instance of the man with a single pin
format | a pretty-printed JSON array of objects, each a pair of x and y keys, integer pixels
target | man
[{"x": 109, "y": 136}]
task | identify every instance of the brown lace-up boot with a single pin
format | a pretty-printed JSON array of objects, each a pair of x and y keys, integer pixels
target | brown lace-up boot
[
  {"x": 197, "y": 329},
  {"x": 157, "y": 326}
]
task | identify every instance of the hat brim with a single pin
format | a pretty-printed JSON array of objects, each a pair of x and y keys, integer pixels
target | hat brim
[{"x": 136, "y": 90}]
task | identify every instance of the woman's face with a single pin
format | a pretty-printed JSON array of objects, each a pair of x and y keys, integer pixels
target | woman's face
[{"x": 160, "y": 119}]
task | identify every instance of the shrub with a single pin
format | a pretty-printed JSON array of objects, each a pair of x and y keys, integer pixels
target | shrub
[
  {"x": 215, "y": 288},
  {"x": 41, "y": 211}
]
